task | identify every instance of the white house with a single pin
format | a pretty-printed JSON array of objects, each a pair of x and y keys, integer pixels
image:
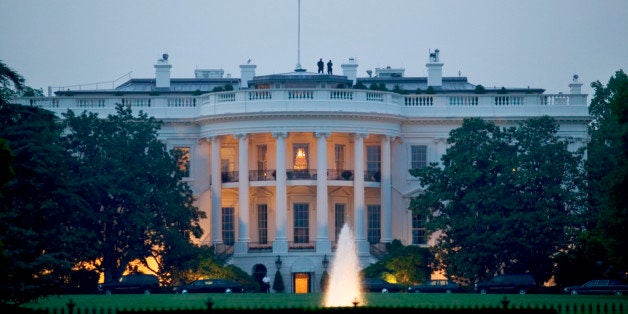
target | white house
[{"x": 280, "y": 162}]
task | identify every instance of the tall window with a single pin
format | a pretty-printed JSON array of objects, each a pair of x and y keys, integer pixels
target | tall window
[
  {"x": 373, "y": 221},
  {"x": 301, "y": 223},
  {"x": 339, "y": 157},
  {"x": 418, "y": 156},
  {"x": 418, "y": 230},
  {"x": 339, "y": 216},
  {"x": 262, "y": 162},
  {"x": 228, "y": 227},
  {"x": 183, "y": 159},
  {"x": 301, "y": 156},
  {"x": 262, "y": 223},
  {"x": 373, "y": 162},
  {"x": 228, "y": 157}
]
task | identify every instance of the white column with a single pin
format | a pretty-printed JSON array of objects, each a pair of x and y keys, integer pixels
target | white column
[
  {"x": 200, "y": 171},
  {"x": 216, "y": 192},
  {"x": 358, "y": 195},
  {"x": 280, "y": 245},
  {"x": 241, "y": 246},
  {"x": 386, "y": 192},
  {"x": 323, "y": 245}
]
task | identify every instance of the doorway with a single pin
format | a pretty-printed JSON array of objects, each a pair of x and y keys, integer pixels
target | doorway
[{"x": 301, "y": 282}]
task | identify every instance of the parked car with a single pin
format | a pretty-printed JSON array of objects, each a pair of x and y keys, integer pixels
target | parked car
[
  {"x": 379, "y": 285},
  {"x": 599, "y": 286},
  {"x": 438, "y": 285},
  {"x": 210, "y": 286},
  {"x": 513, "y": 283},
  {"x": 137, "y": 283}
]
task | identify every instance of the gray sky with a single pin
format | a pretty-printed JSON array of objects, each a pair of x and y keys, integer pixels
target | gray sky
[{"x": 518, "y": 43}]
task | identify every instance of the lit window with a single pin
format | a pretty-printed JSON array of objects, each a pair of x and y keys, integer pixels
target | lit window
[{"x": 300, "y": 157}]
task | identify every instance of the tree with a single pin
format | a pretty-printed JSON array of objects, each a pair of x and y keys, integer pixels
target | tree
[
  {"x": 405, "y": 265},
  {"x": 607, "y": 170},
  {"x": 278, "y": 285},
  {"x": 40, "y": 211},
  {"x": 140, "y": 206},
  {"x": 502, "y": 199}
]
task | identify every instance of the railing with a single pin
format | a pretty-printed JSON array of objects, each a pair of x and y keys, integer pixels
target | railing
[
  {"x": 334, "y": 174},
  {"x": 229, "y": 176},
  {"x": 262, "y": 175},
  {"x": 301, "y": 246},
  {"x": 260, "y": 247},
  {"x": 305, "y": 174},
  {"x": 324, "y": 100},
  {"x": 372, "y": 176},
  {"x": 341, "y": 94},
  {"x": 463, "y": 101},
  {"x": 418, "y": 101},
  {"x": 136, "y": 102}
]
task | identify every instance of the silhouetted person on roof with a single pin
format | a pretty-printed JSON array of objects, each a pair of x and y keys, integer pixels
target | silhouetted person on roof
[
  {"x": 329, "y": 64},
  {"x": 321, "y": 65}
]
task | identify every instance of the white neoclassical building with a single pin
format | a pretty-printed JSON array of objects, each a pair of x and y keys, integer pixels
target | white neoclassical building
[{"x": 280, "y": 162}]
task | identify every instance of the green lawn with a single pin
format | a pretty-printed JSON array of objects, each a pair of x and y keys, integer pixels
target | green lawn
[{"x": 258, "y": 300}]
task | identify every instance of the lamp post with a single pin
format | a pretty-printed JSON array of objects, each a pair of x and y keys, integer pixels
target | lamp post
[
  {"x": 278, "y": 262},
  {"x": 325, "y": 262}
]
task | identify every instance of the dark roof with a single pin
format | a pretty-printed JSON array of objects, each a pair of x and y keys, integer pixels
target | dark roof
[{"x": 300, "y": 77}]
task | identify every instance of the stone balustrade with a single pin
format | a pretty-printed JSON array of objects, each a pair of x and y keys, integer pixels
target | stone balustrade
[{"x": 324, "y": 100}]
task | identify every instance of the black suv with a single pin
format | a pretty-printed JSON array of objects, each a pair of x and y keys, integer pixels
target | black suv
[
  {"x": 138, "y": 283},
  {"x": 515, "y": 283}
]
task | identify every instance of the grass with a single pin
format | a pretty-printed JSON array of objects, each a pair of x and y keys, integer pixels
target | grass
[{"x": 313, "y": 300}]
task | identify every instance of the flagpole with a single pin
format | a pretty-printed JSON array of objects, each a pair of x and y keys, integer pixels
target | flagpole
[{"x": 299, "y": 69}]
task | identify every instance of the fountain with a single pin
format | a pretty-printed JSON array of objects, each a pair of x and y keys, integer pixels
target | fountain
[{"x": 344, "y": 286}]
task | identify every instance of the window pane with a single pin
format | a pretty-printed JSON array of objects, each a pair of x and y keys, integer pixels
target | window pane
[
  {"x": 373, "y": 220},
  {"x": 262, "y": 223},
  {"x": 262, "y": 163},
  {"x": 228, "y": 228},
  {"x": 339, "y": 218},
  {"x": 418, "y": 230},
  {"x": 373, "y": 158},
  {"x": 418, "y": 156},
  {"x": 301, "y": 223},
  {"x": 301, "y": 157},
  {"x": 339, "y": 157}
]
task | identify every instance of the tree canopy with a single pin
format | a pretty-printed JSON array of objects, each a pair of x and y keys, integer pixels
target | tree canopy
[
  {"x": 41, "y": 228},
  {"x": 140, "y": 205},
  {"x": 405, "y": 265},
  {"x": 502, "y": 199},
  {"x": 607, "y": 172}
]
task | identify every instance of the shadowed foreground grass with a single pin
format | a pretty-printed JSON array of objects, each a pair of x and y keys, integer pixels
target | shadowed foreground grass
[{"x": 314, "y": 300}]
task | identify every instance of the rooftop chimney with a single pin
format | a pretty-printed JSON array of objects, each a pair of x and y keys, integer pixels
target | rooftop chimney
[
  {"x": 162, "y": 72},
  {"x": 247, "y": 73},
  {"x": 574, "y": 87},
  {"x": 350, "y": 69},
  {"x": 434, "y": 70}
]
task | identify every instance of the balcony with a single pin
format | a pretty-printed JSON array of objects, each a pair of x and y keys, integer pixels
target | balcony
[
  {"x": 305, "y": 174},
  {"x": 324, "y": 100}
]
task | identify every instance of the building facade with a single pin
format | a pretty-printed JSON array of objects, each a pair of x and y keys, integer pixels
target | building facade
[{"x": 281, "y": 162}]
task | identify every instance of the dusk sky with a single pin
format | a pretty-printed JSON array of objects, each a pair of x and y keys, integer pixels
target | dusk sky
[{"x": 535, "y": 43}]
